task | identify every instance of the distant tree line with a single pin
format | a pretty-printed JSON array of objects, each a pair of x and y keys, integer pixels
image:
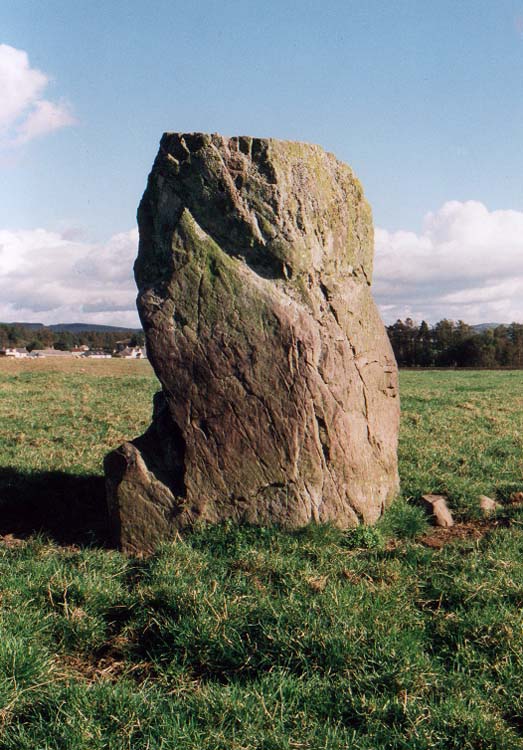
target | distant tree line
[
  {"x": 451, "y": 344},
  {"x": 43, "y": 338},
  {"x": 445, "y": 344}
]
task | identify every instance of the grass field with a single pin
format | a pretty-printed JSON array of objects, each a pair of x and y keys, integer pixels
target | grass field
[{"x": 391, "y": 637}]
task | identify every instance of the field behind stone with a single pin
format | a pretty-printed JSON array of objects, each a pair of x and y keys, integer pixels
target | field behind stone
[{"x": 398, "y": 636}]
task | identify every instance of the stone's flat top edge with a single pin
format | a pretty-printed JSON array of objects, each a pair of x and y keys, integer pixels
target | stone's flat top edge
[
  {"x": 258, "y": 139},
  {"x": 194, "y": 141}
]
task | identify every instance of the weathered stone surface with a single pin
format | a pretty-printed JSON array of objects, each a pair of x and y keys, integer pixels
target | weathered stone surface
[
  {"x": 488, "y": 505},
  {"x": 279, "y": 399},
  {"x": 437, "y": 506}
]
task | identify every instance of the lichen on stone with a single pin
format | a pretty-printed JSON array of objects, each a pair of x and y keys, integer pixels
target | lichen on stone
[{"x": 279, "y": 388}]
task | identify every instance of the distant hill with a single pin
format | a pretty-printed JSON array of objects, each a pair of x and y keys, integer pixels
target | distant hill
[
  {"x": 480, "y": 327},
  {"x": 82, "y": 327},
  {"x": 29, "y": 326},
  {"x": 76, "y": 327}
]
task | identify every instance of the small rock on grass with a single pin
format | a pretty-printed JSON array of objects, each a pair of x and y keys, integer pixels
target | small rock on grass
[
  {"x": 318, "y": 583},
  {"x": 488, "y": 505},
  {"x": 437, "y": 506}
]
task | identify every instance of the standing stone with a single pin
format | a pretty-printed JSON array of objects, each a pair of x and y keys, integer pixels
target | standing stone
[{"x": 279, "y": 399}]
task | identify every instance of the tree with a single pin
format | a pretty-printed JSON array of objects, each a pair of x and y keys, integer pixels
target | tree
[
  {"x": 35, "y": 344},
  {"x": 425, "y": 356},
  {"x": 137, "y": 339}
]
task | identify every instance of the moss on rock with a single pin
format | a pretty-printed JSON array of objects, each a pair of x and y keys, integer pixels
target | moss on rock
[{"x": 278, "y": 380}]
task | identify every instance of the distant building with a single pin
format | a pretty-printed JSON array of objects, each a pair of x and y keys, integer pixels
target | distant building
[
  {"x": 14, "y": 352},
  {"x": 51, "y": 353},
  {"x": 132, "y": 352},
  {"x": 97, "y": 354}
]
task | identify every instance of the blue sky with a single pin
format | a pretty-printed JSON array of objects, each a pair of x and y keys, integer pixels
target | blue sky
[{"x": 423, "y": 100}]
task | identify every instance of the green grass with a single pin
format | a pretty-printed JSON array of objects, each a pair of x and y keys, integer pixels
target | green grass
[
  {"x": 253, "y": 638},
  {"x": 462, "y": 435}
]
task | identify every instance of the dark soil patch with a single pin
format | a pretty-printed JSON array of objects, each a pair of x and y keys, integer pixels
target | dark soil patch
[
  {"x": 111, "y": 667},
  {"x": 439, "y": 537}
]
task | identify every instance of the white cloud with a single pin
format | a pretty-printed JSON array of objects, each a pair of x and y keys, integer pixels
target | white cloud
[
  {"x": 24, "y": 113},
  {"x": 467, "y": 263},
  {"x": 47, "y": 278},
  {"x": 44, "y": 118}
]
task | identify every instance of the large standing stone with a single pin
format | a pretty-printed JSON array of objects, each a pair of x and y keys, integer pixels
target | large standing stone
[{"x": 279, "y": 399}]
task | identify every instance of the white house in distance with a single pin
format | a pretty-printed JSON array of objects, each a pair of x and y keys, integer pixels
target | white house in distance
[
  {"x": 128, "y": 352},
  {"x": 14, "y": 352},
  {"x": 57, "y": 353},
  {"x": 132, "y": 352},
  {"x": 96, "y": 354}
]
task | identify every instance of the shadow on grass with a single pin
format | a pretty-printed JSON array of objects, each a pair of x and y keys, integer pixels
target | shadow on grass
[{"x": 67, "y": 508}]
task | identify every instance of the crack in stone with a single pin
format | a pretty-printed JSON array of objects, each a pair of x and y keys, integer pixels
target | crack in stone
[{"x": 250, "y": 251}]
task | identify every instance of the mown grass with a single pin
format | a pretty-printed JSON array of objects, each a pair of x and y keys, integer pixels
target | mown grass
[
  {"x": 58, "y": 421},
  {"x": 462, "y": 435},
  {"x": 257, "y": 638}
]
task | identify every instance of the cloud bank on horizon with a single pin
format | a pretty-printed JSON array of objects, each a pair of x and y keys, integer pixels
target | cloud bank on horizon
[
  {"x": 465, "y": 264},
  {"x": 24, "y": 112},
  {"x": 46, "y": 277}
]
